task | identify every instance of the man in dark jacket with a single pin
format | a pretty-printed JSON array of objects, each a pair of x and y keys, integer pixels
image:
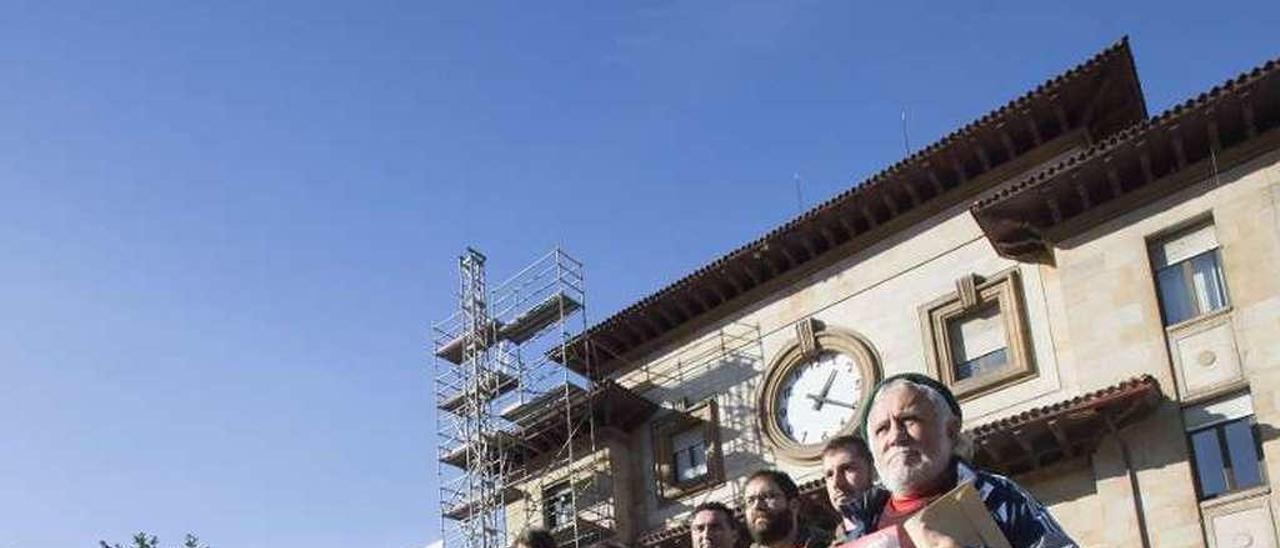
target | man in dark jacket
[{"x": 913, "y": 428}]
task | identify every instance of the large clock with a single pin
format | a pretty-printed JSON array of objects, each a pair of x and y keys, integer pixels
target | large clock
[{"x": 814, "y": 390}]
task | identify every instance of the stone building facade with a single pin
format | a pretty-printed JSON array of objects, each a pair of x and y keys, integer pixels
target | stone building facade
[{"x": 1100, "y": 286}]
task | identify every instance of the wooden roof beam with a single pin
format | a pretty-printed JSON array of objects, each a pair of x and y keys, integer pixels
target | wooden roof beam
[
  {"x": 1033, "y": 127},
  {"x": 1055, "y": 427},
  {"x": 1212, "y": 132},
  {"x": 1113, "y": 180},
  {"x": 808, "y": 247},
  {"x": 1086, "y": 119},
  {"x": 871, "y": 219},
  {"x": 684, "y": 306},
  {"x": 652, "y": 326},
  {"x": 786, "y": 254},
  {"x": 1007, "y": 140},
  {"x": 770, "y": 268},
  {"x": 887, "y": 198},
  {"x": 1147, "y": 176},
  {"x": 828, "y": 235},
  {"x": 1060, "y": 114},
  {"x": 668, "y": 315},
  {"x": 1019, "y": 436},
  {"x": 751, "y": 274},
  {"x": 1054, "y": 211},
  {"x": 1179, "y": 154},
  {"x": 912, "y": 193},
  {"x": 1081, "y": 191},
  {"x": 938, "y": 187},
  {"x": 958, "y": 166},
  {"x": 982, "y": 154},
  {"x": 732, "y": 283},
  {"x": 1246, "y": 110}
]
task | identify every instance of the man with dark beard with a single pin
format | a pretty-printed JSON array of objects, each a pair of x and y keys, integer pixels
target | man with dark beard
[
  {"x": 913, "y": 430},
  {"x": 771, "y": 502}
]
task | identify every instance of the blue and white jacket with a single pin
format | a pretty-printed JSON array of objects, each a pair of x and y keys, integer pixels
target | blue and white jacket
[{"x": 1023, "y": 520}]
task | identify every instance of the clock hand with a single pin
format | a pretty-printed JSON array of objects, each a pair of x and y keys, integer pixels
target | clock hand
[
  {"x": 826, "y": 388},
  {"x": 831, "y": 401}
]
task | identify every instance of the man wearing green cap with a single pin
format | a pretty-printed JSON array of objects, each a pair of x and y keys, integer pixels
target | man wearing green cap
[{"x": 912, "y": 426}]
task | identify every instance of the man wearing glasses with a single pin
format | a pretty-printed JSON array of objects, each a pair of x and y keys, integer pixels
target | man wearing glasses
[{"x": 771, "y": 502}]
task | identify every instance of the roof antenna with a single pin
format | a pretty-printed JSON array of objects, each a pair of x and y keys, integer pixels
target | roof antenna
[
  {"x": 906, "y": 142},
  {"x": 799, "y": 197}
]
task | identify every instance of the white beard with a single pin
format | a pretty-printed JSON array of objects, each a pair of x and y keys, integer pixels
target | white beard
[{"x": 902, "y": 478}]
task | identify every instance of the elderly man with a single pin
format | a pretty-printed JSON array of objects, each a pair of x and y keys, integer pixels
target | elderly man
[
  {"x": 913, "y": 427},
  {"x": 771, "y": 502},
  {"x": 712, "y": 526},
  {"x": 847, "y": 473}
]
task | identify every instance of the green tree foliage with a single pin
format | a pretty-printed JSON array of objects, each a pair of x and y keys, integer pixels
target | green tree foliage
[{"x": 142, "y": 540}]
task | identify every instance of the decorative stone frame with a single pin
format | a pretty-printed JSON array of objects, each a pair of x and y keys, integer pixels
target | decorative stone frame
[
  {"x": 705, "y": 415},
  {"x": 1242, "y": 519},
  {"x": 1204, "y": 351},
  {"x": 811, "y": 339},
  {"x": 972, "y": 292}
]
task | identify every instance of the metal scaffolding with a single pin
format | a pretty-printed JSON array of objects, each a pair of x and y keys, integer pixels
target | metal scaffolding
[{"x": 514, "y": 424}]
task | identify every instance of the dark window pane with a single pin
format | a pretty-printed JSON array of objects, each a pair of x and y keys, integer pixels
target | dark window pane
[
  {"x": 1243, "y": 450},
  {"x": 1209, "y": 465},
  {"x": 1175, "y": 296}
]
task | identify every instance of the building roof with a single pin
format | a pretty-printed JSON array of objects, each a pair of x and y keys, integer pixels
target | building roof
[
  {"x": 1096, "y": 98},
  {"x": 1182, "y": 146}
]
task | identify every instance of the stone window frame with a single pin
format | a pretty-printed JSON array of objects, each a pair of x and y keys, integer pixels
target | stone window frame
[
  {"x": 704, "y": 415},
  {"x": 973, "y": 292}
]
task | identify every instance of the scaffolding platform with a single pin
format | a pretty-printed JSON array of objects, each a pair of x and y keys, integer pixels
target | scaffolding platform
[
  {"x": 496, "y": 383},
  {"x": 464, "y": 510},
  {"x": 452, "y": 348},
  {"x": 521, "y": 412},
  {"x": 538, "y": 317},
  {"x": 501, "y": 440}
]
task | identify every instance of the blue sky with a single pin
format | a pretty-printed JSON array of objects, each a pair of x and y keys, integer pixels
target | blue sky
[{"x": 225, "y": 229}]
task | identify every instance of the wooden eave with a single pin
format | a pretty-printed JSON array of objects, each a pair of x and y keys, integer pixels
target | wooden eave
[
  {"x": 1187, "y": 144},
  {"x": 1096, "y": 98},
  {"x": 1047, "y": 435}
]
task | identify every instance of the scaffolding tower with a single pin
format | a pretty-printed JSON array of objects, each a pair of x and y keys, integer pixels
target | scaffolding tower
[{"x": 509, "y": 414}]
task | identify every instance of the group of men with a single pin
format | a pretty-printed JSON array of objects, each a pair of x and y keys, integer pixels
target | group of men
[{"x": 907, "y": 456}]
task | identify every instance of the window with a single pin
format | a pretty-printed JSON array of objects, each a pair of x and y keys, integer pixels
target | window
[
  {"x": 1188, "y": 270},
  {"x": 976, "y": 336},
  {"x": 978, "y": 342},
  {"x": 557, "y": 504},
  {"x": 1224, "y": 446},
  {"x": 690, "y": 458},
  {"x": 686, "y": 451}
]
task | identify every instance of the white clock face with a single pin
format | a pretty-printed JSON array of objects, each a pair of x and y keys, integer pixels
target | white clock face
[{"x": 819, "y": 398}]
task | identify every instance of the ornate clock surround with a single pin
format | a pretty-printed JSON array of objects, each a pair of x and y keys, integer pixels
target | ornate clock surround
[{"x": 812, "y": 338}]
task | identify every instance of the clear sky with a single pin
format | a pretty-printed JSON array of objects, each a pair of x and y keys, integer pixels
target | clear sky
[{"x": 225, "y": 227}]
